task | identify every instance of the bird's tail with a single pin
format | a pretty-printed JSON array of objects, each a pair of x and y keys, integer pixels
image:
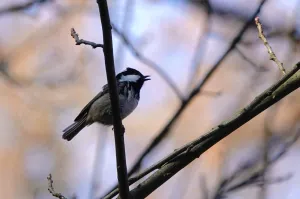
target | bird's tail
[{"x": 71, "y": 131}]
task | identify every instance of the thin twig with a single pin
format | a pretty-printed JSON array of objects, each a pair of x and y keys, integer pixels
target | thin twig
[
  {"x": 279, "y": 90},
  {"x": 111, "y": 79},
  {"x": 142, "y": 58},
  {"x": 51, "y": 188},
  {"x": 270, "y": 51},
  {"x": 79, "y": 41},
  {"x": 136, "y": 53},
  {"x": 197, "y": 90},
  {"x": 82, "y": 41}
]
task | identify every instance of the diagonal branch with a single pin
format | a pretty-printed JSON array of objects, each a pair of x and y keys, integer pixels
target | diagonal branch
[
  {"x": 114, "y": 98},
  {"x": 82, "y": 41},
  {"x": 198, "y": 89},
  {"x": 20, "y": 7},
  {"x": 282, "y": 88},
  {"x": 270, "y": 51},
  {"x": 142, "y": 58}
]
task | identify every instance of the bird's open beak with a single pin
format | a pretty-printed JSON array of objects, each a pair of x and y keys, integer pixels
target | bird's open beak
[{"x": 146, "y": 78}]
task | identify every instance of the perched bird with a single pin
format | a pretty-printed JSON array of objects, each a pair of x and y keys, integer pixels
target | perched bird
[{"x": 129, "y": 83}]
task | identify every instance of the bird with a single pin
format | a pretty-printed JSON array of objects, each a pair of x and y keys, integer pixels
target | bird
[{"x": 129, "y": 84}]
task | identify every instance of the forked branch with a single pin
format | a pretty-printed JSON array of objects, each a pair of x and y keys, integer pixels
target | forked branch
[{"x": 79, "y": 41}]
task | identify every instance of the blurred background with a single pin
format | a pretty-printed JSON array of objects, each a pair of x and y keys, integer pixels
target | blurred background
[{"x": 45, "y": 80}]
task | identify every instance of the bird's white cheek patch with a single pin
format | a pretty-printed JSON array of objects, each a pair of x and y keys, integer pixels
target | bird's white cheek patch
[{"x": 129, "y": 78}]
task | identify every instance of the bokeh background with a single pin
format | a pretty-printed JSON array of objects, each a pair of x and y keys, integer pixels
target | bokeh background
[{"x": 45, "y": 80}]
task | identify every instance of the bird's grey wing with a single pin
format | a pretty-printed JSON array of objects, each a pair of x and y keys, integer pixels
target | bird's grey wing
[
  {"x": 105, "y": 90},
  {"x": 87, "y": 107}
]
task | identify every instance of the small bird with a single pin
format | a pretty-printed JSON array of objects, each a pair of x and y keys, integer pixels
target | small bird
[{"x": 129, "y": 84}]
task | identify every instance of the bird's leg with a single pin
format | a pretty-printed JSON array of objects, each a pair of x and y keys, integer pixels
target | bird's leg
[{"x": 123, "y": 129}]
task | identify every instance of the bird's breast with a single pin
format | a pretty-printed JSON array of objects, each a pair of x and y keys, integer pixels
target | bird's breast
[{"x": 127, "y": 104}]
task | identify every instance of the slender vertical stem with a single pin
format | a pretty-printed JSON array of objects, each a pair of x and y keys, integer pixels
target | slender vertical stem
[{"x": 117, "y": 122}]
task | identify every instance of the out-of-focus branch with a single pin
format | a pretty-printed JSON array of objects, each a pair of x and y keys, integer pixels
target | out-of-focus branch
[
  {"x": 255, "y": 66},
  {"x": 79, "y": 41},
  {"x": 142, "y": 58},
  {"x": 21, "y": 6},
  {"x": 126, "y": 20},
  {"x": 282, "y": 88},
  {"x": 270, "y": 35},
  {"x": 269, "y": 119},
  {"x": 4, "y": 65},
  {"x": 136, "y": 53},
  {"x": 22, "y": 83},
  {"x": 51, "y": 188},
  {"x": 82, "y": 41},
  {"x": 39, "y": 34},
  {"x": 198, "y": 89},
  {"x": 201, "y": 45},
  {"x": 227, "y": 185},
  {"x": 97, "y": 164},
  {"x": 270, "y": 51},
  {"x": 114, "y": 98},
  {"x": 203, "y": 187}
]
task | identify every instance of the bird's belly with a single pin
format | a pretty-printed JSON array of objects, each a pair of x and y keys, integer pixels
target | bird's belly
[
  {"x": 101, "y": 109},
  {"x": 127, "y": 106}
]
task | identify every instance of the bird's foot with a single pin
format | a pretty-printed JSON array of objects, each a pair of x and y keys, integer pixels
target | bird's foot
[{"x": 122, "y": 128}]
